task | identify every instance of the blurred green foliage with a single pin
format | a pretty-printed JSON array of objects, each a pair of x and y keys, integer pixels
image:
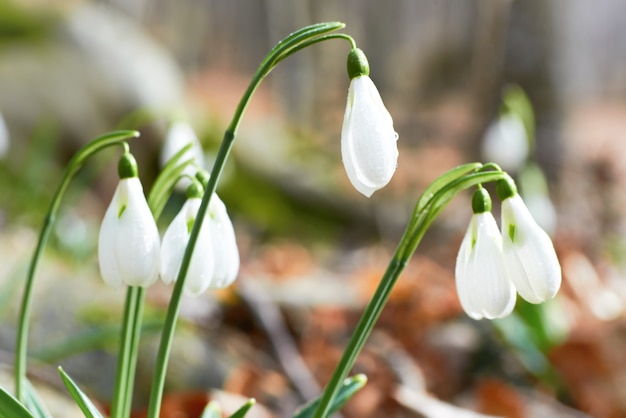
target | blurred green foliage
[{"x": 18, "y": 23}]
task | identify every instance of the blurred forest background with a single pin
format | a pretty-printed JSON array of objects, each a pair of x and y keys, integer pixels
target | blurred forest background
[{"x": 313, "y": 249}]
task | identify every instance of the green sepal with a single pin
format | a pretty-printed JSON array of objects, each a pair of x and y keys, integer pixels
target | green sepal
[
  {"x": 245, "y": 408},
  {"x": 349, "y": 387},
  {"x": 212, "y": 410},
  {"x": 203, "y": 177},
  {"x": 83, "y": 402},
  {"x": 481, "y": 201},
  {"x": 127, "y": 166},
  {"x": 10, "y": 406},
  {"x": 195, "y": 190},
  {"x": 505, "y": 188},
  {"x": 357, "y": 64}
]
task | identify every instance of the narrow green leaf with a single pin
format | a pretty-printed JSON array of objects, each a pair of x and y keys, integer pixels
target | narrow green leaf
[
  {"x": 349, "y": 387},
  {"x": 241, "y": 412},
  {"x": 212, "y": 410},
  {"x": 34, "y": 403},
  {"x": 167, "y": 179},
  {"x": 10, "y": 407},
  {"x": 83, "y": 402}
]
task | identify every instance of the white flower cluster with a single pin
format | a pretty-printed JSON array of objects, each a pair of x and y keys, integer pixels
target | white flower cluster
[
  {"x": 491, "y": 265},
  {"x": 130, "y": 251}
]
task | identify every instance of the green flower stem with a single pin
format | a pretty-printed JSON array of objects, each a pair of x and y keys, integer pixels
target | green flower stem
[
  {"x": 21, "y": 349},
  {"x": 429, "y": 206},
  {"x": 282, "y": 50},
  {"x": 135, "y": 296},
  {"x": 131, "y": 324}
]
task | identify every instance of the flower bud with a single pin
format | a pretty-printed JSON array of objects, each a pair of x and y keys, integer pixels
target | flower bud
[
  {"x": 128, "y": 243},
  {"x": 368, "y": 141},
  {"x": 481, "y": 276}
]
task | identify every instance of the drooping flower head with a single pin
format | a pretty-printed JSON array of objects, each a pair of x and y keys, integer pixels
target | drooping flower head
[
  {"x": 531, "y": 260},
  {"x": 175, "y": 240},
  {"x": 481, "y": 277},
  {"x": 506, "y": 142},
  {"x": 368, "y": 141},
  {"x": 178, "y": 136},
  {"x": 128, "y": 243},
  {"x": 215, "y": 259}
]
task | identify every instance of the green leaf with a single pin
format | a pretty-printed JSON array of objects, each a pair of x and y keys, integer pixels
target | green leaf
[
  {"x": 166, "y": 180},
  {"x": 241, "y": 412},
  {"x": 33, "y": 402},
  {"x": 519, "y": 336},
  {"x": 83, "y": 402},
  {"x": 212, "y": 410},
  {"x": 349, "y": 387},
  {"x": 10, "y": 407}
]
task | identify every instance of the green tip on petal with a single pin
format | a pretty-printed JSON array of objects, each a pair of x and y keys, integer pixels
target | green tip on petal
[
  {"x": 194, "y": 190},
  {"x": 357, "y": 64},
  {"x": 512, "y": 232},
  {"x": 481, "y": 201},
  {"x": 505, "y": 188},
  {"x": 127, "y": 166}
]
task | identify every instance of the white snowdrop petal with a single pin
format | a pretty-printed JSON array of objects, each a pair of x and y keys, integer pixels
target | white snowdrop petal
[
  {"x": 542, "y": 210},
  {"x": 137, "y": 243},
  {"x": 533, "y": 265},
  {"x": 129, "y": 245},
  {"x": 202, "y": 265},
  {"x": 368, "y": 141},
  {"x": 225, "y": 250},
  {"x": 106, "y": 244},
  {"x": 178, "y": 136},
  {"x": 175, "y": 240},
  {"x": 465, "y": 279},
  {"x": 506, "y": 142},
  {"x": 496, "y": 293},
  {"x": 481, "y": 277}
]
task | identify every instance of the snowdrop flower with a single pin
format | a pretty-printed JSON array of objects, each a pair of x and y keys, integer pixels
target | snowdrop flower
[
  {"x": 175, "y": 240},
  {"x": 178, "y": 136},
  {"x": 481, "y": 277},
  {"x": 531, "y": 260},
  {"x": 506, "y": 142},
  {"x": 128, "y": 244},
  {"x": 215, "y": 259},
  {"x": 368, "y": 141}
]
